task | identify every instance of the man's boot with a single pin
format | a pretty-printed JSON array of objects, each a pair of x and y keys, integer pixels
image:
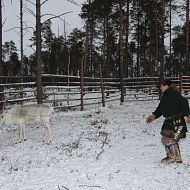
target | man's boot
[
  {"x": 167, "y": 148},
  {"x": 174, "y": 156},
  {"x": 176, "y": 153}
]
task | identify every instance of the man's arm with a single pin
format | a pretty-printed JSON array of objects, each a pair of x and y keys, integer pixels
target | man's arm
[
  {"x": 158, "y": 111},
  {"x": 156, "y": 114}
]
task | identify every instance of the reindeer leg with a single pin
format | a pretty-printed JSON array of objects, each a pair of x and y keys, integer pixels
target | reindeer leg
[
  {"x": 24, "y": 132},
  {"x": 20, "y": 132},
  {"x": 44, "y": 135},
  {"x": 49, "y": 133}
]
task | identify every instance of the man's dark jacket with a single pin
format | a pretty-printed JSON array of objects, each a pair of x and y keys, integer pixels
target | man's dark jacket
[{"x": 172, "y": 103}]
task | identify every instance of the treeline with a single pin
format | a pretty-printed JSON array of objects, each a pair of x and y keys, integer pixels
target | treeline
[{"x": 132, "y": 37}]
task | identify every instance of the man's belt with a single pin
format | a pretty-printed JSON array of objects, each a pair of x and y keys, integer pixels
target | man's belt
[{"x": 174, "y": 116}]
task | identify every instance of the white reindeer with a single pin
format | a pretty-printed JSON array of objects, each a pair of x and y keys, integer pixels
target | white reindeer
[{"x": 24, "y": 114}]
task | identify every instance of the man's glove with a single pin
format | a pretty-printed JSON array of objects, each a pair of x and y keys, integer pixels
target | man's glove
[
  {"x": 150, "y": 118},
  {"x": 187, "y": 119}
]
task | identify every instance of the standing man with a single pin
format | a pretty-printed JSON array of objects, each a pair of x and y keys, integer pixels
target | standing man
[{"x": 175, "y": 109}]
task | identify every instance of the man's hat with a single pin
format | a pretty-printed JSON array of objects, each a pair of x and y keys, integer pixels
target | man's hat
[{"x": 166, "y": 82}]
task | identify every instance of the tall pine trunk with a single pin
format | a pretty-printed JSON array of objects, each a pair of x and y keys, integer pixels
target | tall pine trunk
[
  {"x": 121, "y": 40},
  {"x": 1, "y": 54},
  {"x": 127, "y": 42},
  {"x": 1, "y": 43},
  {"x": 38, "y": 52},
  {"x": 162, "y": 46},
  {"x": 187, "y": 37}
]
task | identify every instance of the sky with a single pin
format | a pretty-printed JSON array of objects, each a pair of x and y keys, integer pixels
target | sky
[{"x": 55, "y": 7}]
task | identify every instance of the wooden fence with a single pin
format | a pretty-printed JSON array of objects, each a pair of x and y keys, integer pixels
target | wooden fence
[{"x": 64, "y": 91}]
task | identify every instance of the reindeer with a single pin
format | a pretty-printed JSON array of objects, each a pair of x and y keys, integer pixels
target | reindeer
[{"x": 24, "y": 114}]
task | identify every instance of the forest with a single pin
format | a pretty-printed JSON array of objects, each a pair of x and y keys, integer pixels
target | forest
[{"x": 132, "y": 38}]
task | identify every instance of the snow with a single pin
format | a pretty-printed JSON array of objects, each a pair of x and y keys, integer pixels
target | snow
[{"x": 109, "y": 148}]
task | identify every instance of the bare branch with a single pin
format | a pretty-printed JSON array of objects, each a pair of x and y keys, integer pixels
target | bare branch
[
  {"x": 29, "y": 27},
  {"x": 4, "y": 21},
  {"x": 73, "y": 2},
  {"x": 29, "y": 46},
  {"x": 103, "y": 143},
  {"x": 31, "y": 2},
  {"x": 65, "y": 187},
  {"x": 44, "y": 2},
  {"x": 31, "y": 12},
  {"x": 10, "y": 29},
  {"x": 55, "y": 16},
  {"x": 25, "y": 8},
  {"x": 16, "y": 32}
]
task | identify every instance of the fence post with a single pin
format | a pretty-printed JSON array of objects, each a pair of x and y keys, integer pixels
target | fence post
[
  {"x": 68, "y": 90},
  {"x": 181, "y": 83},
  {"x": 52, "y": 80},
  {"x": 102, "y": 87},
  {"x": 82, "y": 84}
]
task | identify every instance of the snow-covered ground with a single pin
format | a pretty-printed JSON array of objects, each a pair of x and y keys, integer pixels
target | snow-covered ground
[{"x": 109, "y": 148}]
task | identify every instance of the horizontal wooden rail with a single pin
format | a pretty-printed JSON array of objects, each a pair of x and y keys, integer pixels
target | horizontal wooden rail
[{"x": 64, "y": 89}]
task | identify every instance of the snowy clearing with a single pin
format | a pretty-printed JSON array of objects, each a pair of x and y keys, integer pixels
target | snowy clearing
[{"x": 108, "y": 148}]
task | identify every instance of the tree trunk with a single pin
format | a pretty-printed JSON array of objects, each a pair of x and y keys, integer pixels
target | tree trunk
[
  {"x": 21, "y": 37},
  {"x": 91, "y": 34},
  {"x": 86, "y": 54},
  {"x": 157, "y": 48},
  {"x": 21, "y": 47},
  {"x": 104, "y": 49},
  {"x": 138, "y": 44},
  {"x": 127, "y": 42},
  {"x": 1, "y": 43},
  {"x": 162, "y": 47},
  {"x": 187, "y": 37},
  {"x": 145, "y": 62},
  {"x": 1, "y": 56},
  {"x": 170, "y": 58},
  {"x": 121, "y": 49},
  {"x": 38, "y": 52}
]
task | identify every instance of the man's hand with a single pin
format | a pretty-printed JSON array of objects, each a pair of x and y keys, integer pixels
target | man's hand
[
  {"x": 150, "y": 118},
  {"x": 187, "y": 119}
]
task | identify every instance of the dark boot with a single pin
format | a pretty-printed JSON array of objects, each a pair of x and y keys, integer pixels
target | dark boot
[
  {"x": 176, "y": 153},
  {"x": 167, "y": 148},
  {"x": 174, "y": 156}
]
